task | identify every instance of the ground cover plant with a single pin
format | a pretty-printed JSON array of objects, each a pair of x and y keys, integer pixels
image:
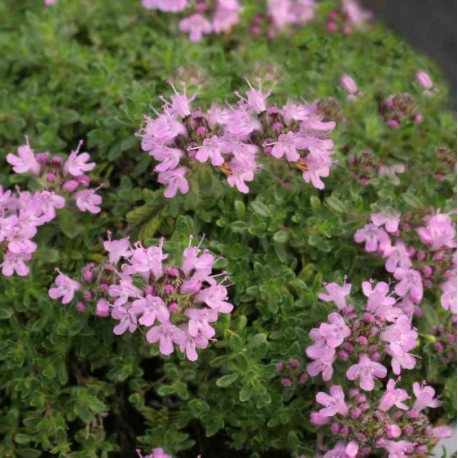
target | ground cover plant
[{"x": 229, "y": 236}]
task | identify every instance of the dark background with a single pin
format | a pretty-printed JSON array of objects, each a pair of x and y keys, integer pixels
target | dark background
[{"x": 428, "y": 25}]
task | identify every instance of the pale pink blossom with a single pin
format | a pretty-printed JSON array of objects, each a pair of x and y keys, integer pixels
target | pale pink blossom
[
  {"x": 366, "y": 371},
  {"x": 333, "y": 403},
  {"x": 65, "y": 288},
  {"x": 197, "y": 26}
]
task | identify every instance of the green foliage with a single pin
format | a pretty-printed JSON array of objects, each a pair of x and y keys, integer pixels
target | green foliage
[{"x": 90, "y": 70}]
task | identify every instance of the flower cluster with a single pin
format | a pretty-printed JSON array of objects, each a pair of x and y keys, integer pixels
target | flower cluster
[
  {"x": 63, "y": 177},
  {"x": 350, "y": 16},
  {"x": 419, "y": 251},
  {"x": 364, "y": 422},
  {"x": 400, "y": 108},
  {"x": 281, "y": 14},
  {"x": 360, "y": 340},
  {"x": 232, "y": 138},
  {"x": 292, "y": 371},
  {"x": 174, "y": 305},
  {"x": 368, "y": 168},
  {"x": 20, "y": 217},
  {"x": 22, "y": 213},
  {"x": 202, "y": 17},
  {"x": 155, "y": 453}
]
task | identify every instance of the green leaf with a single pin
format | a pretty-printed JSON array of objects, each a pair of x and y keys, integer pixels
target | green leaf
[
  {"x": 227, "y": 380},
  {"x": 260, "y": 208},
  {"x": 5, "y": 312}
]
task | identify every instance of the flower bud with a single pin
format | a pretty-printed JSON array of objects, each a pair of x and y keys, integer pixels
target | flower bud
[
  {"x": 393, "y": 431},
  {"x": 286, "y": 381},
  {"x": 70, "y": 186}
]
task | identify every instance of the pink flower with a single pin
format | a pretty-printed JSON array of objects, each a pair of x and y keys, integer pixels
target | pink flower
[
  {"x": 215, "y": 297},
  {"x": 175, "y": 181},
  {"x": 448, "y": 297},
  {"x": 317, "y": 168},
  {"x": 425, "y": 397},
  {"x": 211, "y": 149},
  {"x": 397, "y": 256},
  {"x": 241, "y": 123},
  {"x": 256, "y": 99},
  {"x": 336, "y": 294},
  {"x": 127, "y": 320},
  {"x": 117, "y": 249},
  {"x": 410, "y": 284},
  {"x": 150, "y": 308},
  {"x": 167, "y": 334},
  {"x": 194, "y": 259},
  {"x": 424, "y": 80},
  {"x": 439, "y": 232},
  {"x": 304, "y": 11},
  {"x": 146, "y": 260},
  {"x": 88, "y": 201},
  {"x": 333, "y": 403},
  {"x": 379, "y": 302},
  {"x": 15, "y": 263},
  {"x": 374, "y": 237},
  {"x": 356, "y": 16},
  {"x": 226, "y": 15},
  {"x": 321, "y": 366},
  {"x": 76, "y": 164},
  {"x": 191, "y": 344},
  {"x": 167, "y": 6},
  {"x": 442, "y": 432},
  {"x": 286, "y": 146},
  {"x": 25, "y": 161},
  {"x": 366, "y": 371},
  {"x": 102, "y": 308},
  {"x": 398, "y": 449},
  {"x": 241, "y": 172},
  {"x": 66, "y": 288},
  {"x": 342, "y": 450},
  {"x": 169, "y": 158},
  {"x": 320, "y": 349},
  {"x": 165, "y": 128},
  {"x": 336, "y": 331},
  {"x": 389, "y": 220},
  {"x": 197, "y": 26},
  {"x": 393, "y": 397},
  {"x": 124, "y": 290},
  {"x": 281, "y": 13},
  {"x": 349, "y": 85},
  {"x": 400, "y": 336},
  {"x": 199, "y": 320}
]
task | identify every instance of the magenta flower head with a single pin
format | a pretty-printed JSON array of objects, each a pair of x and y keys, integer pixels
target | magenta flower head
[
  {"x": 138, "y": 290},
  {"x": 235, "y": 139}
]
